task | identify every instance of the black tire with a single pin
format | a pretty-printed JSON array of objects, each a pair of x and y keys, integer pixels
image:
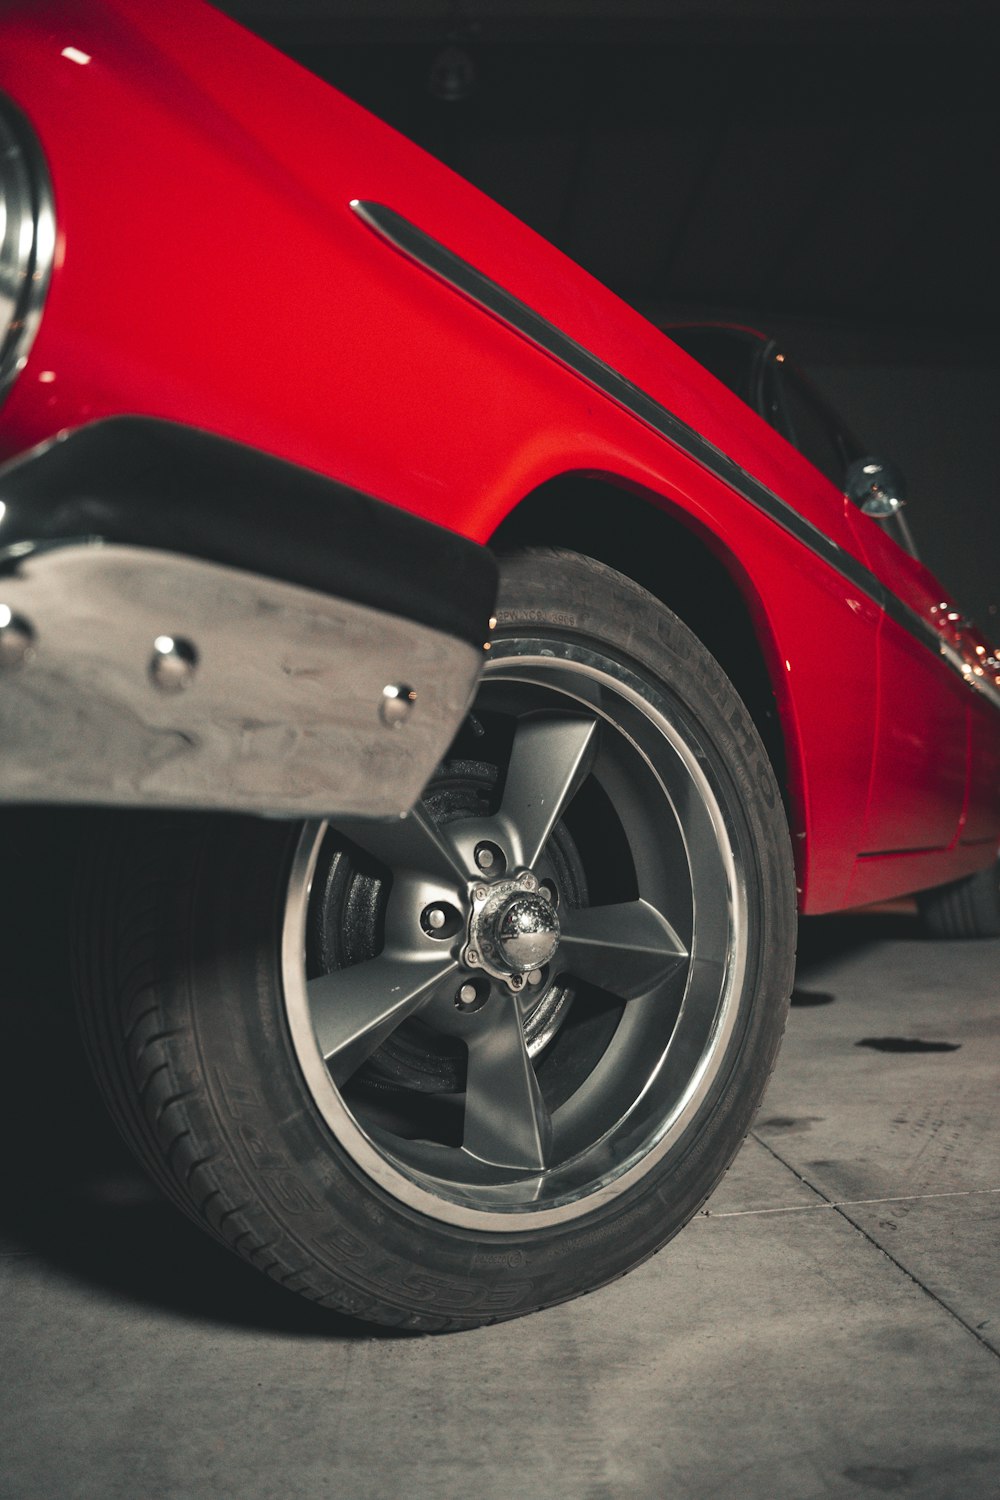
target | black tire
[
  {"x": 483, "y": 1156},
  {"x": 968, "y": 908}
]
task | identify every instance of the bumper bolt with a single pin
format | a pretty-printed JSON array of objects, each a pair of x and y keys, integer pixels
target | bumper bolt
[
  {"x": 397, "y": 704},
  {"x": 16, "y": 638},
  {"x": 172, "y": 664}
]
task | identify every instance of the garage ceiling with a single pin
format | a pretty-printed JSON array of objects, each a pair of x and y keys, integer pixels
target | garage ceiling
[{"x": 709, "y": 156}]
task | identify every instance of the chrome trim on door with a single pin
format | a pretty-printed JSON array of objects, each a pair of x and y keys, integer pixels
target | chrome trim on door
[{"x": 492, "y": 297}]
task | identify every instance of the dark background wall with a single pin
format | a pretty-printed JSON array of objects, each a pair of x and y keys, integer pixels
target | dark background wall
[{"x": 827, "y": 172}]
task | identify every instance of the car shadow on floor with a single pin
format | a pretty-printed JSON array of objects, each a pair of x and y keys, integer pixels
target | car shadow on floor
[{"x": 823, "y": 939}]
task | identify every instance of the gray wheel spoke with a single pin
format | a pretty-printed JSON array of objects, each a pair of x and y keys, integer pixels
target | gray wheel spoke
[
  {"x": 411, "y": 843},
  {"x": 548, "y": 762},
  {"x": 506, "y": 1121},
  {"x": 353, "y": 1010},
  {"x": 627, "y": 950}
]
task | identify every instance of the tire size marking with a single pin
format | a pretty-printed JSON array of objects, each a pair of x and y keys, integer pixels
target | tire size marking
[{"x": 236, "y": 1097}]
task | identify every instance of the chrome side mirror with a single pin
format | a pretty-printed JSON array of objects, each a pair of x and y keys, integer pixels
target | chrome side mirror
[{"x": 876, "y": 487}]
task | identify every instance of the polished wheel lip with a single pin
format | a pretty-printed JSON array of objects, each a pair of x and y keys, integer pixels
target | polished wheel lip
[{"x": 530, "y": 660}]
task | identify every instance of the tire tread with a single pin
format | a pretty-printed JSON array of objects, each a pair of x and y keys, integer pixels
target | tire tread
[{"x": 966, "y": 909}]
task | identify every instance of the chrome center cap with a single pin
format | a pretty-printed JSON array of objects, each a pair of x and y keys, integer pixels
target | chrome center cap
[
  {"x": 527, "y": 933},
  {"x": 513, "y": 928}
]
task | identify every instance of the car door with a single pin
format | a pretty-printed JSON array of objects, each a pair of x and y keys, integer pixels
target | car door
[{"x": 918, "y": 776}]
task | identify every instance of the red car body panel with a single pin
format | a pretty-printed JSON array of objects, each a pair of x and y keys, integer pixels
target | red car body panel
[{"x": 210, "y": 270}]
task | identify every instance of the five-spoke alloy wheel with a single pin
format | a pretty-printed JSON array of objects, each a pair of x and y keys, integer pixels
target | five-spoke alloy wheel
[{"x": 466, "y": 1063}]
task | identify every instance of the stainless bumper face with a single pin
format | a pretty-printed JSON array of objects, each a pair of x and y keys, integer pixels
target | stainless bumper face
[{"x": 136, "y": 677}]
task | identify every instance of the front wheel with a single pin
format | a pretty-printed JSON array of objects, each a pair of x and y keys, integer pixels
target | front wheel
[{"x": 482, "y": 1059}]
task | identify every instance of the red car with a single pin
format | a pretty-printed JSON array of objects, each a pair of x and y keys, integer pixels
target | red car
[{"x": 438, "y": 1009}]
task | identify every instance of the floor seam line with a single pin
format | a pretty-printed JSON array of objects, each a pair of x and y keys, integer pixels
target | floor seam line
[
  {"x": 812, "y": 1208},
  {"x": 859, "y": 1229}
]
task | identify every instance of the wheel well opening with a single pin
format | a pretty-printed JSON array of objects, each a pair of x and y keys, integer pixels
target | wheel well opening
[{"x": 615, "y": 526}]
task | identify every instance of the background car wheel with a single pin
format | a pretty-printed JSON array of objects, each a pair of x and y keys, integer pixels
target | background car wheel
[
  {"x": 968, "y": 908},
  {"x": 479, "y": 1060}
]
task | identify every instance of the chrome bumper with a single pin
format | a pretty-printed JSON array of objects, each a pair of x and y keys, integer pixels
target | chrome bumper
[{"x": 134, "y": 676}]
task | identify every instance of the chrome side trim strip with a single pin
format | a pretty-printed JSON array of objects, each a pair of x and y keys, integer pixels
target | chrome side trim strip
[{"x": 493, "y": 298}]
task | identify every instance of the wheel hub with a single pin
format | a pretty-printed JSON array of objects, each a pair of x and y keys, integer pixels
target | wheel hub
[{"x": 513, "y": 928}]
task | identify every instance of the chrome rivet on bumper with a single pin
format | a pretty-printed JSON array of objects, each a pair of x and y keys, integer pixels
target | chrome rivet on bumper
[
  {"x": 16, "y": 638},
  {"x": 172, "y": 664},
  {"x": 397, "y": 704}
]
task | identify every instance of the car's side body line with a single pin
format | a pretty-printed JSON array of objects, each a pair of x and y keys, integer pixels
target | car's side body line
[{"x": 493, "y": 298}]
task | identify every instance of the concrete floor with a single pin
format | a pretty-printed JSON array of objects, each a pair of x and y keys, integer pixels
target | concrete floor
[{"x": 829, "y": 1326}]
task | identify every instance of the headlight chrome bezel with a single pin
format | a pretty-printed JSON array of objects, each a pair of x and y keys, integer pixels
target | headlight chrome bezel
[{"x": 27, "y": 240}]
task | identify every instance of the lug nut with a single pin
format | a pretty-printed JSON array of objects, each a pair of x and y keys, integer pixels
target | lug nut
[
  {"x": 535, "y": 977},
  {"x": 472, "y": 997},
  {"x": 440, "y": 920},
  {"x": 490, "y": 858}
]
